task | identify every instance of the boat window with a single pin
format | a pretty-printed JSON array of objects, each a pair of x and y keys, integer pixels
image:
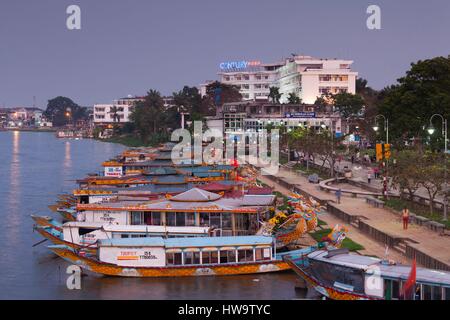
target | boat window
[
  {"x": 173, "y": 259},
  {"x": 245, "y": 255},
  {"x": 180, "y": 219},
  {"x": 436, "y": 293},
  {"x": 228, "y": 256},
  {"x": 426, "y": 292},
  {"x": 262, "y": 254},
  {"x": 226, "y": 221},
  {"x": 447, "y": 293},
  {"x": 214, "y": 220},
  {"x": 152, "y": 218},
  {"x": 83, "y": 231},
  {"x": 190, "y": 219},
  {"x": 395, "y": 289},
  {"x": 170, "y": 218},
  {"x": 204, "y": 219},
  {"x": 191, "y": 258},
  {"x": 209, "y": 257},
  {"x": 387, "y": 289},
  {"x": 137, "y": 218},
  {"x": 124, "y": 236}
]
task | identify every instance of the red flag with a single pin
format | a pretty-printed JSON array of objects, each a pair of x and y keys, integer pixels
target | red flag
[{"x": 409, "y": 286}]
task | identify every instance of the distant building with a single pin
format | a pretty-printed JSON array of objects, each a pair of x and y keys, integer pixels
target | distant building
[
  {"x": 240, "y": 118},
  {"x": 103, "y": 113},
  {"x": 306, "y": 76}
]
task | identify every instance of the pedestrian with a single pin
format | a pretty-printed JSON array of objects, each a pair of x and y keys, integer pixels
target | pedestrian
[
  {"x": 353, "y": 159},
  {"x": 369, "y": 177},
  {"x": 338, "y": 195},
  {"x": 405, "y": 218},
  {"x": 376, "y": 172}
]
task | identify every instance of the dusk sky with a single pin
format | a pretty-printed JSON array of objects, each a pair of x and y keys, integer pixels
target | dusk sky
[{"x": 128, "y": 47}]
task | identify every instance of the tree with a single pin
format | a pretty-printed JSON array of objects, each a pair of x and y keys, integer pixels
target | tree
[
  {"x": 294, "y": 99},
  {"x": 349, "y": 105},
  {"x": 433, "y": 176},
  {"x": 275, "y": 94},
  {"x": 322, "y": 104},
  {"x": 423, "y": 91},
  {"x": 114, "y": 113},
  {"x": 148, "y": 115},
  {"x": 188, "y": 100},
  {"x": 406, "y": 171},
  {"x": 217, "y": 94},
  {"x": 62, "y": 110}
]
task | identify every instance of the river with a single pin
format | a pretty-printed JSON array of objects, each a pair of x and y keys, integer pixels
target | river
[{"x": 35, "y": 168}]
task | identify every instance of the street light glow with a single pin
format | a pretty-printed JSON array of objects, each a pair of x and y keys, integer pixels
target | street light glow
[
  {"x": 431, "y": 130},
  {"x": 375, "y": 128}
]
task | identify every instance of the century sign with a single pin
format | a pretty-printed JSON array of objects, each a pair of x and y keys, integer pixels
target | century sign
[{"x": 239, "y": 64}]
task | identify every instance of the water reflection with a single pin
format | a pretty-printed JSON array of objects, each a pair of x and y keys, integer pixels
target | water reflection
[{"x": 12, "y": 216}]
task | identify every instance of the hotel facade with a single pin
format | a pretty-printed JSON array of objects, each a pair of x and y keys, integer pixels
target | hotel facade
[{"x": 306, "y": 76}]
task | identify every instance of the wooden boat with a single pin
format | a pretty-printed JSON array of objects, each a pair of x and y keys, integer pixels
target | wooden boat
[
  {"x": 340, "y": 275},
  {"x": 46, "y": 221},
  {"x": 177, "y": 257}
]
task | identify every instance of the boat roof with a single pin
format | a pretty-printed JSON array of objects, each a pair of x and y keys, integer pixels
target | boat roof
[
  {"x": 137, "y": 228},
  {"x": 396, "y": 271},
  {"x": 235, "y": 241},
  {"x": 196, "y": 194}
]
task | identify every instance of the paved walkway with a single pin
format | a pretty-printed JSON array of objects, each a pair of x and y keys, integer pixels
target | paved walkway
[{"x": 428, "y": 241}]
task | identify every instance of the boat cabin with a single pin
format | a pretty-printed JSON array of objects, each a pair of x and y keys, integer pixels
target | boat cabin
[
  {"x": 85, "y": 233},
  {"x": 159, "y": 252}
]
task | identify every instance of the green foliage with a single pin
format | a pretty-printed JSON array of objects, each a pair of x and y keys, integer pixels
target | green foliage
[
  {"x": 349, "y": 105},
  {"x": 275, "y": 94},
  {"x": 217, "y": 94},
  {"x": 294, "y": 98},
  {"x": 422, "y": 92},
  {"x": 62, "y": 111}
]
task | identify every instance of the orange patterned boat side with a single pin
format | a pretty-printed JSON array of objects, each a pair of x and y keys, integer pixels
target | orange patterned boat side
[{"x": 176, "y": 271}]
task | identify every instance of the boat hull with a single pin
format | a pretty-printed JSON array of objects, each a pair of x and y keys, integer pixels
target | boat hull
[
  {"x": 58, "y": 241},
  {"x": 177, "y": 271}
]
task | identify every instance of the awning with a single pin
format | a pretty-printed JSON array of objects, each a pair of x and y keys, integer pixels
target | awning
[
  {"x": 192, "y": 250},
  {"x": 227, "y": 248},
  {"x": 173, "y": 250},
  {"x": 209, "y": 249},
  {"x": 245, "y": 248}
]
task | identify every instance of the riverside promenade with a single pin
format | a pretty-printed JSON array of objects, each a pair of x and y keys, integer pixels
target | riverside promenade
[{"x": 372, "y": 227}]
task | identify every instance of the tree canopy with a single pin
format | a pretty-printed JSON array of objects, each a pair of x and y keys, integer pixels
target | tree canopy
[
  {"x": 62, "y": 111},
  {"x": 422, "y": 92}
]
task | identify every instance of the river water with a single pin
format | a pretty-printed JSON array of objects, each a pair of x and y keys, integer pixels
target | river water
[{"x": 34, "y": 169}]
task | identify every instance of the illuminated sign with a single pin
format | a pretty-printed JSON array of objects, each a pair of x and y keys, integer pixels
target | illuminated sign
[
  {"x": 300, "y": 115},
  {"x": 239, "y": 65}
]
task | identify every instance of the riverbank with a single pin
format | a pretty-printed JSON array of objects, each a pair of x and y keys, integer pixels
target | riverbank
[{"x": 30, "y": 129}]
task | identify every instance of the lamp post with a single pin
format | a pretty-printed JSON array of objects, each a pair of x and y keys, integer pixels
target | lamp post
[
  {"x": 386, "y": 128},
  {"x": 431, "y": 130}
]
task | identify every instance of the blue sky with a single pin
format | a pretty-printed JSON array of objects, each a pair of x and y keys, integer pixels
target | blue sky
[{"x": 128, "y": 47}]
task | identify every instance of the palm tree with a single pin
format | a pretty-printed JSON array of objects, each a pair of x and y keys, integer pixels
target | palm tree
[
  {"x": 114, "y": 112},
  {"x": 275, "y": 94},
  {"x": 294, "y": 99}
]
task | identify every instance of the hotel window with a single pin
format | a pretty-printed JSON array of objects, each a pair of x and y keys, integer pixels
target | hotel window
[
  {"x": 209, "y": 257},
  {"x": 228, "y": 256},
  {"x": 245, "y": 255},
  {"x": 173, "y": 259},
  {"x": 227, "y": 78},
  {"x": 258, "y": 77},
  {"x": 238, "y": 78},
  {"x": 246, "y": 78}
]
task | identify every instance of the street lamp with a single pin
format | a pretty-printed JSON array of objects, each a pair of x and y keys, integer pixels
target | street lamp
[
  {"x": 431, "y": 131},
  {"x": 386, "y": 126}
]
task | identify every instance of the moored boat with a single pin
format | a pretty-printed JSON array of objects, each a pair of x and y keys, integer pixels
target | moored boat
[
  {"x": 177, "y": 257},
  {"x": 339, "y": 275}
]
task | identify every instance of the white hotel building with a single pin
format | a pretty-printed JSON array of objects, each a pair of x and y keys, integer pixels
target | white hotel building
[{"x": 307, "y": 77}]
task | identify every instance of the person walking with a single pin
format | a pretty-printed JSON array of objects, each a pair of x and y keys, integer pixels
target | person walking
[
  {"x": 405, "y": 218},
  {"x": 369, "y": 177},
  {"x": 338, "y": 195}
]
